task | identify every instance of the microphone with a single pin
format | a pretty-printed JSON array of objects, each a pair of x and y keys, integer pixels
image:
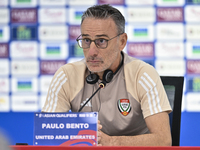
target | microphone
[{"x": 101, "y": 86}]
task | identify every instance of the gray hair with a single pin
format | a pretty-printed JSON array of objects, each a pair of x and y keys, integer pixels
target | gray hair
[{"x": 104, "y": 12}]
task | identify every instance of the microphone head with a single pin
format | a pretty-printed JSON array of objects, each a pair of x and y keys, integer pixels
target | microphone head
[{"x": 102, "y": 84}]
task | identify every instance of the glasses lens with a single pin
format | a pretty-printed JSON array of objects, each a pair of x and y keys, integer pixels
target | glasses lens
[
  {"x": 86, "y": 43},
  {"x": 80, "y": 43},
  {"x": 101, "y": 43}
]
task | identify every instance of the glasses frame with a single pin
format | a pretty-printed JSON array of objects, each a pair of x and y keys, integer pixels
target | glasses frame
[{"x": 77, "y": 39}]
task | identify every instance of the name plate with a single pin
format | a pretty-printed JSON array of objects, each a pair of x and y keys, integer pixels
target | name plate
[{"x": 65, "y": 129}]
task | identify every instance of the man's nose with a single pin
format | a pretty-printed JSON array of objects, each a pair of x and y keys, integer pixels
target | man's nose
[{"x": 93, "y": 50}]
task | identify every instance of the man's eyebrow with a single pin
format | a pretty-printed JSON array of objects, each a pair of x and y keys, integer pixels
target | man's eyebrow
[
  {"x": 84, "y": 34},
  {"x": 104, "y": 35}
]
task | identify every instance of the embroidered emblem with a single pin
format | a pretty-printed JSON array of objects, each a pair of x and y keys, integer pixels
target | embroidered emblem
[{"x": 124, "y": 106}]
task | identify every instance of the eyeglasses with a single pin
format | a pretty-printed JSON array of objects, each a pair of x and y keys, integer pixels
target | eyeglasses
[{"x": 100, "y": 43}]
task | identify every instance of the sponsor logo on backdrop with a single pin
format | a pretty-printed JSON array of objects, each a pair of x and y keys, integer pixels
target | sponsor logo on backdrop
[
  {"x": 27, "y": 103},
  {"x": 24, "y": 84},
  {"x": 4, "y": 85},
  {"x": 24, "y": 50},
  {"x": 4, "y": 103},
  {"x": 192, "y": 13},
  {"x": 196, "y": 49},
  {"x": 193, "y": 66},
  {"x": 24, "y": 33},
  {"x": 54, "y": 51},
  {"x": 4, "y": 34},
  {"x": 50, "y": 67},
  {"x": 170, "y": 2},
  {"x": 1, "y": 33},
  {"x": 192, "y": 1},
  {"x": 4, "y": 67},
  {"x": 81, "y": 2},
  {"x": 52, "y": 2},
  {"x": 4, "y": 50},
  {"x": 167, "y": 49},
  {"x": 23, "y": 67},
  {"x": 78, "y": 15},
  {"x": 3, "y": 2},
  {"x": 112, "y": 2},
  {"x": 75, "y": 50},
  {"x": 140, "y": 2},
  {"x": 23, "y": 3},
  {"x": 193, "y": 50},
  {"x": 170, "y": 31},
  {"x": 140, "y": 33},
  {"x": 192, "y": 32},
  {"x": 55, "y": 33},
  {"x": 141, "y": 14},
  {"x": 78, "y": 52},
  {"x": 4, "y": 15},
  {"x": 45, "y": 81},
  {"x": 74, "y": 32},
  {"x": 193, "y": 102},
  {"x": 141, "y": 49},
  {"x": 52, "y": 15},
  {"x": 24, "y": 15},
  {"x": 75, "y": 15},
  {"x": 193, "y": 84},
  {"x": 170, "y": 67},
  {"x": 169, "y": 14}
]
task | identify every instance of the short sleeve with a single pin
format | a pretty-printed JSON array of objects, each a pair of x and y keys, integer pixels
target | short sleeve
[{"x": 151, "y": 92}]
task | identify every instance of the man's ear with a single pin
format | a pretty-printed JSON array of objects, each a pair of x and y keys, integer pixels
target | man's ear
[{"x": 123, "y": 41}]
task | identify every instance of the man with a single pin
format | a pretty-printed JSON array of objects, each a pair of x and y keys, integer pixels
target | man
[{"x": 133, "y": 107}]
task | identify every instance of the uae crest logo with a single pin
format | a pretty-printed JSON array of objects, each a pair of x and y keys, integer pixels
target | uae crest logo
[{"x": 124, "y": 106}]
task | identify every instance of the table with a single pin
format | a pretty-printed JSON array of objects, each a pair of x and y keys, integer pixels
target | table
[{"x": 28, "y": 147}]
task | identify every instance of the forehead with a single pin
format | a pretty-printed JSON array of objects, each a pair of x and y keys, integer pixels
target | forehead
[{"x": 92, "y": 26}]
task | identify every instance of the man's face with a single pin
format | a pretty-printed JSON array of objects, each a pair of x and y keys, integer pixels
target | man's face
[{"x": 97, "y": 59}]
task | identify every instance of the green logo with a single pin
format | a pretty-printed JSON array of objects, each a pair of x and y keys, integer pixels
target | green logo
[
  {"x": 23, "y": 33},
  {"x": 21, "y": 85},
  {"x": 196, "y": 84},
  {"x": 196, "y": 50},
  {"x": 169, "y": 0},
  {"x": 23, "y": 1},
  {"x": 53, "y": 50},
  {"x": 1, "y": 33},
  {"x": 140, "y": 32},
  {"x": 78, "y": 52}
]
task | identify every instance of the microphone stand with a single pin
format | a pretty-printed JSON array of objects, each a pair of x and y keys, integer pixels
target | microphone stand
[{"x": 101, "y": 86}]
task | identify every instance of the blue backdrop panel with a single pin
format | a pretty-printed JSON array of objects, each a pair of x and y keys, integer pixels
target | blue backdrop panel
[{"x": 18, "y": 127}]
